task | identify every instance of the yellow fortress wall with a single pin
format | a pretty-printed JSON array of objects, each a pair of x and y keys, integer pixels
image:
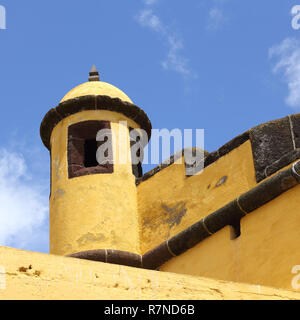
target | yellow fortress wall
[
  {"x": 169, "y": 202},
  {"x": 38, "y": 276},
  {"x": 265, "y": 253}
]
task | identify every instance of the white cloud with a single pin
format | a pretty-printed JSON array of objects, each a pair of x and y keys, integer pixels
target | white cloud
[
  {"x": 23, "y": 208},
  {"x": 150, "y": 2},
  {"x": 216, "y": 18},
  {"x": 287, "y": 57},
  {"x": 147, "y": 19},
  {"x": 174, "y": 60}
]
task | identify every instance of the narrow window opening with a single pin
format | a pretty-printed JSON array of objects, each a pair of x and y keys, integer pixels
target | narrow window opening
[
  {"x": 90, "y": 150},
  {"x": 137, "y": 169}
]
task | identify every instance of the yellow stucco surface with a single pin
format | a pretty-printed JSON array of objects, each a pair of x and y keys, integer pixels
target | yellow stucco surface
[
  {"x": 266, "y": 252},
  {"x": 96, "y": 88},
  {"x": 28, "y": 275},
  {"x": 96, "y": 211},
  {"x": 169, "y": 202},
  {"x": 108, "y": 211}
]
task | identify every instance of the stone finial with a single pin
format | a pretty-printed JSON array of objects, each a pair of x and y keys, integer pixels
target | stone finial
[{"x": 94, "y": 74}]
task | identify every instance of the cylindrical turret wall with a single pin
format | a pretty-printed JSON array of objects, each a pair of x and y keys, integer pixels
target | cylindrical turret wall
[{"x": 89, "y": 209}]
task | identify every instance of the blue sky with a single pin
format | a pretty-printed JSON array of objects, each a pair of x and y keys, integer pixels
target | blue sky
[{"x": 219, "y": 65}]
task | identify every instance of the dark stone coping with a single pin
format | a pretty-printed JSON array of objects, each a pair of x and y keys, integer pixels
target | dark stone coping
[
  {"x": 275, "y": 144},
  {"x": 111, "y": 256},
  {"x": 92, "y": 102},
  {"x": 284, "y": 161},
  {"x": 209, "y": 158},
  {"x": 229, "y": 215},
  {"x": 171, "y": 160}
]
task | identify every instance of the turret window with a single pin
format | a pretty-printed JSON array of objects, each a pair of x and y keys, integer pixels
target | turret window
[
  {"x": 84, "y": 141},
  {"x": 137, "y": 169},
  {"x": 90, "y": 151}
]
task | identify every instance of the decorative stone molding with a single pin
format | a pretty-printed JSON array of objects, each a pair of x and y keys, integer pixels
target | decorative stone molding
[{"x": 90, "y": 102}]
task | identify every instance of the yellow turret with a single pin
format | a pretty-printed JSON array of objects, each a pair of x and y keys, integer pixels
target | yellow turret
[{"x": 92, "y": 205}]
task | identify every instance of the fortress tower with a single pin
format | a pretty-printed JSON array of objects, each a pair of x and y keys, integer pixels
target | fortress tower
[
  {"x": 92, "y": 205},
  {"x": 237, "y": 220}
]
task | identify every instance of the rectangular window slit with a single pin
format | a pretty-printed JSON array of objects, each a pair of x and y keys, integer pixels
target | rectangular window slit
[{"x": 90, "y": 150}]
